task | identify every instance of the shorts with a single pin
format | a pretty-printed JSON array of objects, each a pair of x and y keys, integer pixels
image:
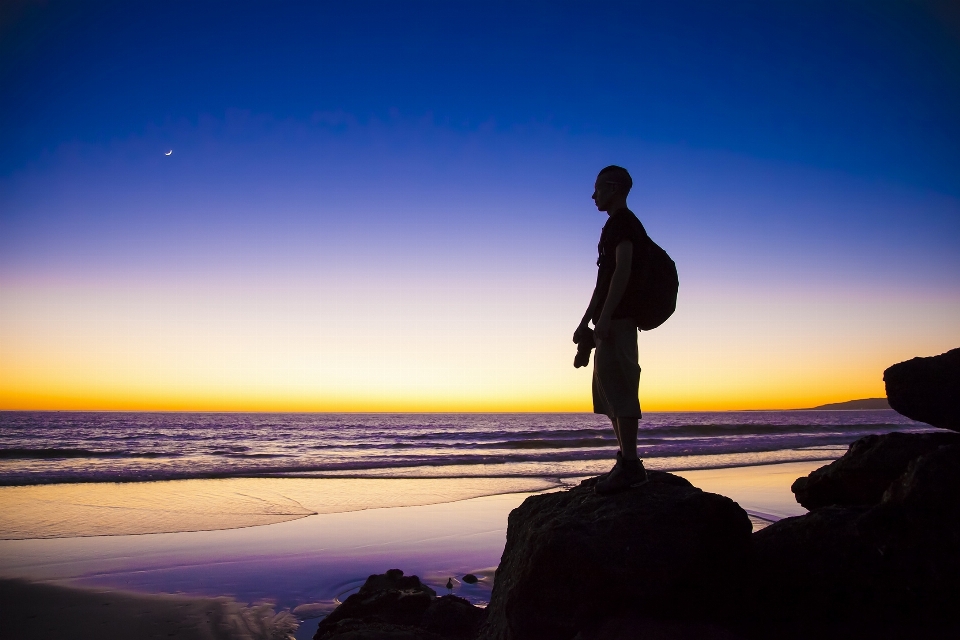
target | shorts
[{"x": 616, "y": 372}]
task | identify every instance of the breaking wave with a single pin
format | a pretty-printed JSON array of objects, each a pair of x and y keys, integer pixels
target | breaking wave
[{"x": 56, "y": 447}]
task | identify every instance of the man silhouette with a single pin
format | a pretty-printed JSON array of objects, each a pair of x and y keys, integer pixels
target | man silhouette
[{"x": 613, "y": 310}]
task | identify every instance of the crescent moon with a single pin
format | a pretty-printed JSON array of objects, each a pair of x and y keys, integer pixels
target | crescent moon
[{"x": 169, "y": 152}]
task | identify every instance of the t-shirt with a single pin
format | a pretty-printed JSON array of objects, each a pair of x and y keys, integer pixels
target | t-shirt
[{"x": 622, "y": 225}]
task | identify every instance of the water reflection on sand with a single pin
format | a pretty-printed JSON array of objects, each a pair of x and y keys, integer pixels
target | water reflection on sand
[{"x": 92, "y": 509}]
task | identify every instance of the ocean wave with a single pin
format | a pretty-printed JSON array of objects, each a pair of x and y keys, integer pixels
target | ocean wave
[
  {"x": 556, "y": 443},
  {"x": 257, "y": 455},
  {"x": 57, "y": 452},
  {"x": 38, "y": 447},
  {"x": 211, "y": 468},
  {"x": 464, "y": 466}
]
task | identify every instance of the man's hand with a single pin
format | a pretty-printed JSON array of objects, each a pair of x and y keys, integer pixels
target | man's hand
[{"x": 578, "y": 335}]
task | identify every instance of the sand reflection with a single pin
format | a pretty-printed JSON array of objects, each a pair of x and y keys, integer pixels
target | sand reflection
[{"x": 97, "y": 509}]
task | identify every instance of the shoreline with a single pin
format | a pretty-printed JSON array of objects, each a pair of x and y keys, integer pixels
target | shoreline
[{"x": 96, "y": 509}]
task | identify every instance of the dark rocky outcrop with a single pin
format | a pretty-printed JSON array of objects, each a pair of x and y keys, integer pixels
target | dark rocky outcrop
[
  {"x": 878, "y": 556},
  {"x": 930, "y": 483},
  {"x": 353, "y": 629},
  {"x": 452, "y": 617},
  {"x": 647, "y": 628},
  {"x": 886, "y": 568},
  {"x": 573, "y": 560},
  {"x": 812, "y": 569},
  {"x": 927, "y": 389},
  {"x": 392, "y": 606},
  {"x": 668, "y": 561},
  {"x": 866, "y": 470}
]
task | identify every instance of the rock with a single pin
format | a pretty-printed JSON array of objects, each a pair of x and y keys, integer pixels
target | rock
[
  {"x": 654, "y": 629},
  {"x": 920, "y": 512},
  {"x": 393, "y": 579},
  {"x": 390, "y": 598},
  {"x": 665, "y": 550},
  {"x": 917, "y": 529},
  {"x": 470, "y": 579},
  {"x": 883, "y": 571},
  {"x": 351, "y": 629},
  {"x": 927, "y": 389},
  {"x": 863, "y": 473},
  {"x": 931, "y": 483},
  {"x": 813, "y": 567},
  {"x": 452, "y": 617},
  {"x": 397, "y": 607},
  {"x": 835, "y": 573}
]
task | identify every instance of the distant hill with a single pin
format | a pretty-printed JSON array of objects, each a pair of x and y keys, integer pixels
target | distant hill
[{"x": 856, "y": 405}]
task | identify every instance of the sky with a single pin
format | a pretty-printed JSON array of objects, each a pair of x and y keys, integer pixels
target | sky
[{"x": 385, "y": 206}]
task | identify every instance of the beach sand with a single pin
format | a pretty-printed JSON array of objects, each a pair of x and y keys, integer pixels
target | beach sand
[
  {"x": 306, "y": 565},
  {"x": 132, "y": 508}
]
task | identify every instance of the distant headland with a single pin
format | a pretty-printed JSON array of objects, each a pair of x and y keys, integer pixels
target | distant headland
[{"x": 866, "y": 404}]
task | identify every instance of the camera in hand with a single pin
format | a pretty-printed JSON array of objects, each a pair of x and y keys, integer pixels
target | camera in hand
[{"x": 585, "y": 345}]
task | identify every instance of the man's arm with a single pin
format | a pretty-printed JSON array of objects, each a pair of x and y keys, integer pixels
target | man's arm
[
  {"x": 618, "y": 285},
  {"x": 588, "y": 315}
]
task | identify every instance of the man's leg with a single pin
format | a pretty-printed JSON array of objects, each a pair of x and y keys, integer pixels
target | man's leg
[
  {"x": 627, "y": 437},
  {"x": 616, "y": 383},
  {"x": 629, "y": 471},
  {"x": 616, "y": 431},
  {"x": 616, "y": 374}
]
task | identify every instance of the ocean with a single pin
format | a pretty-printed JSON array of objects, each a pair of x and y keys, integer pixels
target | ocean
[{"x": 67, "y": 447}]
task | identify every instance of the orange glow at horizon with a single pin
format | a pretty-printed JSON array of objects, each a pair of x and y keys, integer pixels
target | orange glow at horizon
[{"x": 180, "y": 349}]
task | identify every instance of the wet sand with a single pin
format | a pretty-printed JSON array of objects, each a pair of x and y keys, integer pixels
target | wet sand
[
  {"x": 302, "y": 565},
  {"x": 132, "y": 508},
  {"x": 305, "y": 565}
]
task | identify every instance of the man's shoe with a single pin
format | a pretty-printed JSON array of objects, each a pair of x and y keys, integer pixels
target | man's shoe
[
  {"x": 625, "y": 475},
  {"x": 617, "y": 464}
]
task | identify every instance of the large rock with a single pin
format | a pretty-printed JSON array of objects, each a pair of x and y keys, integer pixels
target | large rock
[
  {"x": 573, "y": 560},
  {"x": 883, "y": 571},
  {"x": 392, "y": 606},
  {"x": 930, "y": 484},
  {"x": 452, "y": 617},
  {"x": 645, "y": 628},
  {"x": 927, "y": 389},
  {"x": 813, "y": 568},
  {"x": 866, "y": 470},
  {"x": 353, "y": 629}
]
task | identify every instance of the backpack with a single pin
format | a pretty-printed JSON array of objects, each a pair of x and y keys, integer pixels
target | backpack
[{"x": 657, "y": 288}]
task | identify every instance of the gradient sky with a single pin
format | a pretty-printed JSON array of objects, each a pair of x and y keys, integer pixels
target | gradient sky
[{"x": 382, "y": 206}]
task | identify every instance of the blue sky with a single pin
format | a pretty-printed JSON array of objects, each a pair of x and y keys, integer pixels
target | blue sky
[
  {"x": 869, "y": 88},
  {"x": 793, "y": 157}
]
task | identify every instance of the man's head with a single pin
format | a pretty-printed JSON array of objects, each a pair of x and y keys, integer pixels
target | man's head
[{"x": 611, "y": 188}]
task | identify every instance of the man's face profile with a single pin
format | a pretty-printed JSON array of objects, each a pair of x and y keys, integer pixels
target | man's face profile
[{"x": 602, "y": 191}]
